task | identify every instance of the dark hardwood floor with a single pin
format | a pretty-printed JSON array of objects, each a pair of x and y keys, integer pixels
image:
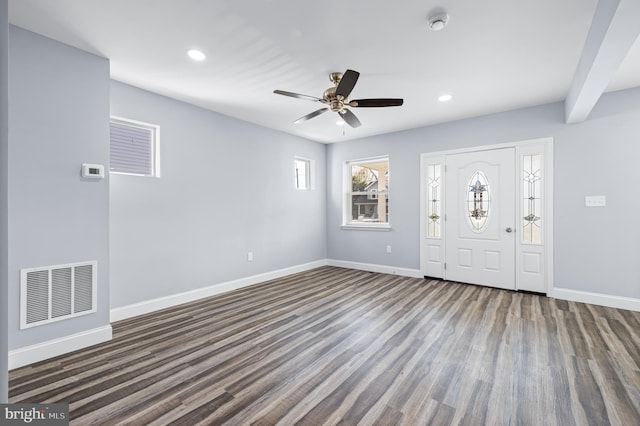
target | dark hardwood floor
[{"x": 339, "y": 346}]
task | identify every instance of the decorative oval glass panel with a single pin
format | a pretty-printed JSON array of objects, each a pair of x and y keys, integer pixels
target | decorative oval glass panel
[{"x": 478, "y": 202}]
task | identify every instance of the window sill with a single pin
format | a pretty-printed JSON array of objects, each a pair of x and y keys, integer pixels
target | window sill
[{"x": 385, "y": 227}]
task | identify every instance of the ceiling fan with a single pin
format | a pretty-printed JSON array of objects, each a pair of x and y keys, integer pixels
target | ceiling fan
[{"x": 337, "y": 99}]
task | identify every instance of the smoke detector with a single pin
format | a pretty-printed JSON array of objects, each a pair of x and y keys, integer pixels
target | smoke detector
[{"x": 438, "y": 21}]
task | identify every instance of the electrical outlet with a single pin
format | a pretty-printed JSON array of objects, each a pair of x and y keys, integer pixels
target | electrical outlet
[
  {"x": 388, "y": 248},
  {"x": 595, "y": 201},
  {"x": 250, "y": 256}
]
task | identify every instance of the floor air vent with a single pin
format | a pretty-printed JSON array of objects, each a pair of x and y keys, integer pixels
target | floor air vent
[{"x": 54, "y": 293}]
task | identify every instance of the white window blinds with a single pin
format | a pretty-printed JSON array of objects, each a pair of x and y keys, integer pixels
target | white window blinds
[{"x": 132, "y": 148}]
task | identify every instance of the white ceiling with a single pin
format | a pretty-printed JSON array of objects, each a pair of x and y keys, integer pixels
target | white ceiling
[{"x": 494, "y": 55}]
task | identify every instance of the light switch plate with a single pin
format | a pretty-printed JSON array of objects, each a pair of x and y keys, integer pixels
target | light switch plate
[{"x": 595, "y": 201}]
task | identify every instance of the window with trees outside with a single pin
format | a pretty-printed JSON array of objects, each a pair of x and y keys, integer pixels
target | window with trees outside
[{"x": 368, "y": 192}]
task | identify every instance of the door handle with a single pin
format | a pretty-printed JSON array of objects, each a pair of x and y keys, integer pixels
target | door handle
[{"x": 509, "y": 230}]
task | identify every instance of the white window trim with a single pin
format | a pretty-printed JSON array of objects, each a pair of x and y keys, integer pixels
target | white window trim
[
  {"x": 368, "y": 227},
  {"x": 347, "y": 224},
  {"x": 311, "y": 181},
  {"x": 156, "y": 144}
]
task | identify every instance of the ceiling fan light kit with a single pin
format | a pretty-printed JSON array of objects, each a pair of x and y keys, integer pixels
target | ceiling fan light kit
[{"x": 336, "y": 99}]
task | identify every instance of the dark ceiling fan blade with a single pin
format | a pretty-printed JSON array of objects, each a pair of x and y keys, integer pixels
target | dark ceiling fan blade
[
  {"x": 311, "y": 115},
  {"x": 347, "y": 82},
  {"x": 380, "y": 102},
  {"x": 350, "y": 118},
  {"x": 296, "y": 95}
]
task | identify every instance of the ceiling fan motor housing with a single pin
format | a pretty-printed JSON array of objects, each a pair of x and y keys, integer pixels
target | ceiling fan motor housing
[{"x": 335, "y": 102}]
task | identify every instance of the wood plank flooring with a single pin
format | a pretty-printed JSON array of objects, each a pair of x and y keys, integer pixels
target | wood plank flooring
[{"x": 339, "y": 346}]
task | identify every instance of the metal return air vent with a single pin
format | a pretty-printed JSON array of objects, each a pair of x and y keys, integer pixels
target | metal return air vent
[{"x": 57, "y": 292}]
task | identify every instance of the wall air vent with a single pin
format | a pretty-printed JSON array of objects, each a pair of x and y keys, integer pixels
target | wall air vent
[{"x": 54, "y": 293}]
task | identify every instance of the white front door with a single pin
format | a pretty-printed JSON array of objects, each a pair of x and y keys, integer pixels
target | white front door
[{"x": 480, "y": 218}]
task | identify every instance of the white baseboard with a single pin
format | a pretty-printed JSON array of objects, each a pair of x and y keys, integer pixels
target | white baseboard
[
  {"x": 51, "y": 348},
  {"x": 370, "y": 267},
  {"x": 618, "y": 302},
  {"x": 596, "y": 299},
  {"x": 152, "y": 305}
]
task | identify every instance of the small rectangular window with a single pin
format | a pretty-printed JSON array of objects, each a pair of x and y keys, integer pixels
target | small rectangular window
[
  {"x": 133, "y": 147},
  {"x": 532, "y": 199},
  {"x": 434, "y": 203},
  {"x": 303, "y": 173},
  {"x": 367, "y": 194}
]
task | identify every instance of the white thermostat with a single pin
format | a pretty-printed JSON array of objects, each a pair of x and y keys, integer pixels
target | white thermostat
[{"x": 95, "y": 171}]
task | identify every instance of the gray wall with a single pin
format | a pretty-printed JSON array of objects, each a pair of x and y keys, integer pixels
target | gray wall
[
  {"x": 4, "y": 206},
  {"x": 596, "y": 249},
  {"x": 58, "y": 119},
  {"x": 226, "y": 188}
]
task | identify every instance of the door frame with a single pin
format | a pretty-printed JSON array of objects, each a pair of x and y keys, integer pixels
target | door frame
[{"x": 433, "y": 249}]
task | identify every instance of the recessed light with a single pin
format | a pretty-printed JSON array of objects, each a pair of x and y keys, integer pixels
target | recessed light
[
  {"x": 196, "y": 55},
  {"x": 445, "y": 97},
  {"x": 340, "y": 122}
]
